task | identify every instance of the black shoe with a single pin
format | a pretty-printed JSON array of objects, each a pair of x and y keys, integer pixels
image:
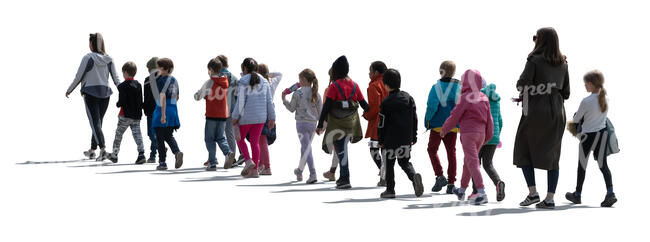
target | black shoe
[
  {"x": 501, "y": 191},
  {"x": 343, "y": 186},
  {"x": 571, "y": 196},
  {"x": 450, "y": 189},
  {"x": 609, "y": 201},
  {"x": 387, "y": 194},
  {"x": 240, "y": 161},
  {"x": 211, "y": 168},
  {"x": 381, "y": 183},
  {"x": 112, "y": 157},
  {"x": 545, "y": 205},
  {"x": 141, "y": 160},
  {"x": 418, "y": 187},
  {"x": 441, "y": 181},
  {"x": 152, "y": 159},
  {"x": 179, "y": 160},
  {"x": 162, "y": 166},
  {"x": 530, "y": 200}
]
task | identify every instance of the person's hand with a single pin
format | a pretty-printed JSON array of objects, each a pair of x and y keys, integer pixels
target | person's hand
[
  {"x": 319, "y": 131},
  {"x": 442, "y": 135},
  {"x": 163, "y": 119},
  {"x": 271, "y": 124},
  {"x": 235, "y": 122},
  {"x": 380, "y": 146},
  {"x": 284, "y": 95},
  {"x": 67, "y": 94}
]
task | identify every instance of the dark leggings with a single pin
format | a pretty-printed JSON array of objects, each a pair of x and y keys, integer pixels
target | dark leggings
[
  {"x": 587, "y": 144},
  {"x": 166, "y": 134},
  {"x": 402, "y": 155},
  {"x": 95, "y": 109},
  {"x": 375, "y": 153},
  {"x": 553, "y": 176},
  {"x": 485, "y": 156},
  {"x": 341, "y": 149}
]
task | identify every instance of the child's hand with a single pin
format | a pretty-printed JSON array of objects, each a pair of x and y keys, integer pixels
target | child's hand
[
  {"x": 67, "y": 94},
  {"x": 319, "y": 131},
  {"x": 442, "y": 135},
  {"x": 271, "y": 124},
  {"x": 163, "y": 119},
  {"x": 235, "y": 122},
  {"x": 284, "y": 95}
]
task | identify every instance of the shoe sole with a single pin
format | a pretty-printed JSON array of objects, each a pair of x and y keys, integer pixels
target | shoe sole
[
  {"x": 140, "y": 162},
  {"x": 609, "y": 205},
  {"x": 229, "y": 161},
  {"x": 388, "y": 196},
  {"x": 311, "y": 181},
  {"x": 343, "y": 187},
  {"x": 211, "y": 169},
  {"x": 501, "y": 191},
  {"x": 571, "y": 198},
  {"x": 179, "y": 160},
  {"x": 530, "y": 203},
  {"x": 161, "y": 169},
  {"x": 247, "y": 169},
  {"x": 417, "y": 185}
]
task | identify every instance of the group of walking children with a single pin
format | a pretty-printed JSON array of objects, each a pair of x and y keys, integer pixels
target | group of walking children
[{"x": 241, "y": 110}]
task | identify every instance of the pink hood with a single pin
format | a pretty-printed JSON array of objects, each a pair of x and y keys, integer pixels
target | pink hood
[{"x": 472, "y": 81}]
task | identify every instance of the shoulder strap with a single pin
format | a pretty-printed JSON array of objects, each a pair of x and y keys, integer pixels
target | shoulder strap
[
  {"x": 354, "y": 89},
  {"x": 340, "y": 90}
]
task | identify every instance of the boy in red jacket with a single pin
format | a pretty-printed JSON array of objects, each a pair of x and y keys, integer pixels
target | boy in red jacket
[{"x": 214, "y": 91}]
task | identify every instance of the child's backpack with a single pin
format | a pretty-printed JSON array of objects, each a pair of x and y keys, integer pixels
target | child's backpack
[{"x": 345, "y": 107}]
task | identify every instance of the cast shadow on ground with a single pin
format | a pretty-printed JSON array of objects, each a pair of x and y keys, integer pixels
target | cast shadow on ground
[
  {"x": 214, "y": 178},
  {"x": 284, "y": 184},
  {"x": 104, "y": 164},
  {"x": 405, "y": 197},
  {"x": 53, "y": 162},
  {"x": 521, "y": 210},
  {"x": 326, "y": 189}
]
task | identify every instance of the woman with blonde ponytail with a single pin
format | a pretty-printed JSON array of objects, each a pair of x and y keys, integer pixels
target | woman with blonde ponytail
[
  {"x": 306, "y": 103},
  {"x": 592, "y": 115}
]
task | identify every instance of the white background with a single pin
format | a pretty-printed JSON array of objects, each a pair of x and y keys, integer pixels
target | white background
[{"x": 43, "y": 41}]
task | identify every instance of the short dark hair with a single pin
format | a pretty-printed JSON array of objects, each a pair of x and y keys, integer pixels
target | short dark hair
[
  {"x": 392, "y": 78},
  {"x": 215, "y": 65},
  {"x": 224, "y": 60},
  {"x": 130, "y": 68},
  {"x": 166, "y": 64},
  {"x": 447, "y": 68},
  {"x": 151, "y": 64},
  {"x": 379, "y": 66}
]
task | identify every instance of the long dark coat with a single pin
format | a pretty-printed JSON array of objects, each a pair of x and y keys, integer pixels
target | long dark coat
[{"x": 539, "y": 136}]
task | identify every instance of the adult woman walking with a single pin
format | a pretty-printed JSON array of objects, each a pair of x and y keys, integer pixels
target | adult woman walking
[
  {"x": 543, "y": 87},
  {"x": 93, "y": 76}
]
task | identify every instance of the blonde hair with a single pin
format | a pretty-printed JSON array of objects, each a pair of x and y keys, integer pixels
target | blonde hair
[{"x": 597, "y": 79}]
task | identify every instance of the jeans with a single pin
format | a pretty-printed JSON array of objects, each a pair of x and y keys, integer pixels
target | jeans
[
  {"x": 230, "y": 136},
  {"x": 95, "y": 109},
  {"x": 152, "y": 137},
  {"x": 450, "y": 146},
  {"x": 166, "y": 134},
  {"x": 214, "y": 134},
  {"x": 341, "y": 148}
]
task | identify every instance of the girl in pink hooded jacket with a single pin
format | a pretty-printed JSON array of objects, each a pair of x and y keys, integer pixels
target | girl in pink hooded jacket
[{"x": 472, "y": 114}]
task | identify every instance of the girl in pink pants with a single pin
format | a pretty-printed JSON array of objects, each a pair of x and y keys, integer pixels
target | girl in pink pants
[{"x": 472, "y": 114}]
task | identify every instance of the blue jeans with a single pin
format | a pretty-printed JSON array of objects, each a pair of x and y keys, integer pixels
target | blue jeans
[
  {"x": 152, "y": 137},
  {"x": 215, "y": 134},
  {"x": 341, "y": 148}
]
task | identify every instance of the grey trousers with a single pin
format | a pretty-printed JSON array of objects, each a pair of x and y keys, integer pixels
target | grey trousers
[{"x": 122, "y": 124}]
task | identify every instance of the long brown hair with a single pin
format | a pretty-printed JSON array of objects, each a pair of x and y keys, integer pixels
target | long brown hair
[
  {"x": 263, "y": 69},
  {"x": 97, "y": 43},
  {"x": 597, "y": 79},
  {"x": 547, "y": 44},
  {"x": 310, "y": 76}
]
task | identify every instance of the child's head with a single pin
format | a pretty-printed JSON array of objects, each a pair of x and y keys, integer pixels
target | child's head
[
  {"x": 263, "y": 69},
  {"x": 96, "y": 43},
  {"x": 165, "y": 66},
  {"x": 129, "y": 69},
  {"x": 472, "y": 81},
  {"x": 340, "y": 68},
  {"x": 594, "y": 81},
  {"x": 392, "y": 79},
  {"x": 249, "y": 66},
  {"x": 224, "y": 60},
  {"x": 377, "y": 69},
  {"x": 151, "y": 64},
  {"x": 307, "y": 77},
  {"x": 214, "y": 67},
  {"x": 447, "y": 69}
]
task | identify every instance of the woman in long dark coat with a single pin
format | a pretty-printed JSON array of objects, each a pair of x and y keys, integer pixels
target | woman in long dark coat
[{"x": 543, "y": 87}]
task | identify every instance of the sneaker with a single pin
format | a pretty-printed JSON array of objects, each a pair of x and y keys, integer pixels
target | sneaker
[
  {"x": 381, "y": 183},
  {"x": 102, "y": 156},
  {"x": 266, "y": 172},
  {"x": 240, "y": 160},
  {"x": 458, "y": 193},
  {"x": 179, "y": 160},
  {"x": 387, "y": 194},
  {"x": 472, "y": 196},
  {"x": 112, "y": 157},
  {"x": 530, "y": 200},
  {"x": 417, "y": 185},
  {"x": 89, "y": 154},
  {"x": 211, "y": 168},
  {"x": 252, "y": 174},
  {"x": 312, "y": 179},
  {"x": 330, "y": 176},
  {"x": 545, "y": 205},
  {"x": 450, "y": 188},
  {"x": 501, "y": 191},
  {"x": 248, "y": 167},
  {"x": 152, "y": 159},
  {"x": 572, "y": 197},
  {"x": 260, "y": 168},
  {"x": 298, "y": 174},
  {"x": 441, "y": 181},
  {"x": 230, "y": 159},
  {"x": 140, "y": 160},
  {"x": 343, "y": 186},
  {"x": 479, "y": 199},
  {"x": 206, "y": 163},
  {"x": 609, "y": 201},
  {"x": 162, "y": 166}
]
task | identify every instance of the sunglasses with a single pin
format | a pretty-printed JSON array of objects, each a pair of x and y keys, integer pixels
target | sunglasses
[{"x": 534, "y": 37}]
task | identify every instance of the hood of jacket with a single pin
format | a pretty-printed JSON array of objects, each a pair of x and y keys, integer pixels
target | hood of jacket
[
  {"x": 220, "y": 81},
  {"x": 490, "y": 92},
  {"x": 472, "y": 81},
  {"x": 99, "y": 59},
  {"x": 398, "y": 100}
]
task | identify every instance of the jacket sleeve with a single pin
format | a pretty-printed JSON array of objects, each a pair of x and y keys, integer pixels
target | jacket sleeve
[
  {"x": 325, "y": 112},
  {"x": 577, "y": 117},
  {"x": 291, "y": 105},
  {"x": 455, "y": 116},
  {"x": 489, "y": 128},
  {"x": 121, "y": 97},
  {"x": 415, "y": 122},
  {"x": 319, "y": 105},
  {"x": 380, "y": 127},
  {"x": 80, "y": 73},
  {"x": 432, "y": 107},
  {"x": 270, "y": 108},
  {"x": 527, "y": 76},
  {"x": 114, "y": 76},
  {"x": 566, "y": 88},
  {"x": 205, "y": 90},
  {"x": 241, "y": 100},
  {"x": 374, "y": 102}
]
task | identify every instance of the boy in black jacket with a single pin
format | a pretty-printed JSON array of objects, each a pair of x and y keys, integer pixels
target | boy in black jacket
[
  {"x": 397, "y": 132},
  {"x": 130, "y": 104},
  {"x": 149, "y": 106}
]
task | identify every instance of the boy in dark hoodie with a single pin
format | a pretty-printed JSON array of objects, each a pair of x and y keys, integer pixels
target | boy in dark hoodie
[
  {"x": 397, "y": 132},
  {"x": 149, "y": 105},
  {"x": 130, "y": 104}
]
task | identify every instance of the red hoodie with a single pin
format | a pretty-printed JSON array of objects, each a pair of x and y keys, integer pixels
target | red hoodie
[
  {"x": 472, "y": 112},
  {"x": 216, "y": 105}
]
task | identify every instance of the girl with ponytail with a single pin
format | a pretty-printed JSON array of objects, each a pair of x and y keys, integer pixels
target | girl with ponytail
[
  {"x": 592, "y": 115},
  {"x": 307, "y": 104},
  {"x": 268, "y": 133}
]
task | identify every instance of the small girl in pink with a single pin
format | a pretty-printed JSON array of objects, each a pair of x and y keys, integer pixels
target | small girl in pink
[{"x": 472, "y": 113}]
